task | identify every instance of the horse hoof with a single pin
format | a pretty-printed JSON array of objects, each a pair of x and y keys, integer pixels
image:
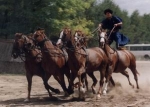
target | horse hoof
[
  {"x": 98, "y": 97},
  {"x": 104, "y": 92},
  {"x": 57, "y": 91},
  {"x": 26, "y": 100},
  {"x": 83, "y": 90},
  {"x": 94, "y": 90}
]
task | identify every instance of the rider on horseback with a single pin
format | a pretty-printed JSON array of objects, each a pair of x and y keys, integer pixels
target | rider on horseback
[{"x": 113, "y": 24}]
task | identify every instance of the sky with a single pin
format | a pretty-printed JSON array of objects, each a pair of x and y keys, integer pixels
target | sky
[{"x": 143, "y": 6}]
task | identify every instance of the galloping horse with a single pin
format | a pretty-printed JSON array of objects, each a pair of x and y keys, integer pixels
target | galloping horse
[
  {"x": 83, "y": 60},
  {"x": 33, "y": 57},
  {"x": 54, "y": 61},
  {"x": 120, "y": 60}
]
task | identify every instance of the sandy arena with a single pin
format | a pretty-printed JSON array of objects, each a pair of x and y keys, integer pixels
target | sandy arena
[{"x": 13, "y": 91}]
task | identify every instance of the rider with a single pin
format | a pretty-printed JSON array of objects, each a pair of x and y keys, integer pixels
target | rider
[{"x": 113, "y": 24}]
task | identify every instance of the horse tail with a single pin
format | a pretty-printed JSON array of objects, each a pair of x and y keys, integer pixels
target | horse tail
[{"x": 132, "y": 61}]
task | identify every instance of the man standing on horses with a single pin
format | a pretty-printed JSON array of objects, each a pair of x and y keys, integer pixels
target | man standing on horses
[{"x": 113, "y": 25}]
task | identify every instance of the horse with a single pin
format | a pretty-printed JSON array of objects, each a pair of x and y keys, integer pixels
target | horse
[
  {"x": 120, "y": 60},
  {"x": 83, "y": 61},
  {"x": 54, "y": 60},
  {"x": 33, "y": 56}
]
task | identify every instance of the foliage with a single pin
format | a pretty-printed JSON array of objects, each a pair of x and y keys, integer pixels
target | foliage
[{"x": 53, "y": 15}]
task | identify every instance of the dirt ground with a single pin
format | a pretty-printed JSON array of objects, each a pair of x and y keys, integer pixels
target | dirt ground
[{"x": 13, "y": 91}]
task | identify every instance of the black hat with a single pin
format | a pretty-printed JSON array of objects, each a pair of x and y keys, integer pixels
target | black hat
[{"x": 108, "y": 10}]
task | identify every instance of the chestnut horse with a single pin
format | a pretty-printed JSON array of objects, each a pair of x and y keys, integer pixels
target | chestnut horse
[
  {"x": 54, "y": 60},
  {"x": 33, "y": 57},
  {"x": 82, "y": 61},
  {"x": 120, "y": 60}
]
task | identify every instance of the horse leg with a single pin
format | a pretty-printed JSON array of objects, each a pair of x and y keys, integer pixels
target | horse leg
[
  {"x": 81, "y": 88},
  {"x": 125, "y": 73},
  {"x": 112, "y": 81},
  {"x": 83, "y": 81},
  {"x": 102, "y": 76},
  {"x": 67, "y": 73},
  {"x": 71, "y": 86},
  {"x": 108, "y": 76},
  {"x": 47, "y": 86},
  {"x": 135, "y": 72},
  {"x": 29, "y": 80},
  {"x": 45, "y": 80},
  {"x": 94, "y": 82},
  {"x": 86, "y": 82},
  {"x": 60, "y": 79}
]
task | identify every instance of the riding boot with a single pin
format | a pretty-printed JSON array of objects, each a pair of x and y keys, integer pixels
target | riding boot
[{"x": 118, "y": 47}]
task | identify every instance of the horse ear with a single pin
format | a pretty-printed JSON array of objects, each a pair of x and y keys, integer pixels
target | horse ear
[{"x": 18, "y": 34}]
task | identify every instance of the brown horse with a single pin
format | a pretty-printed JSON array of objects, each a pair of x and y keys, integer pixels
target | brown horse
[
  {"x": 120, "y": 60},
  {"x": 33, "y": 57},
  {"x": 54, "y": 60},
  {"x": 82, "y": 61}
]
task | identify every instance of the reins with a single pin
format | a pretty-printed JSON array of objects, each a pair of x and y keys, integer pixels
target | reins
[
  {"x": 95, "y": 30},
  {"x": 111, "y": 31}
]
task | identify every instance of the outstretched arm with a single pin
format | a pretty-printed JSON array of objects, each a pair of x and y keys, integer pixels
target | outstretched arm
[{"x": 118, "y": 24}]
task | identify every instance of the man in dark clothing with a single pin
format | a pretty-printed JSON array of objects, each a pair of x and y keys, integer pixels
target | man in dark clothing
[{"x": 109, "y": 23}]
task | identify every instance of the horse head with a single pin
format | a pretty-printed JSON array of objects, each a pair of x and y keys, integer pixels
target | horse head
[
  {"x": 19, "y": 44},
  {"x": 23, "y": 45},
  {"x": 80, "y": 39},
  {"x": 102, "y": 38},
  {"x": 39, "y": 35},
  {"x": 64, "y": 37}
]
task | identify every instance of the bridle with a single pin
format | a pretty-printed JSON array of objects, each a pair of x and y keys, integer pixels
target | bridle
[
  {"x": 103, "y": 39},
  {"x": 73, "y": 44},
  {"x": 27, "y": 48},
  {"x": 53, "y": 51}
]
